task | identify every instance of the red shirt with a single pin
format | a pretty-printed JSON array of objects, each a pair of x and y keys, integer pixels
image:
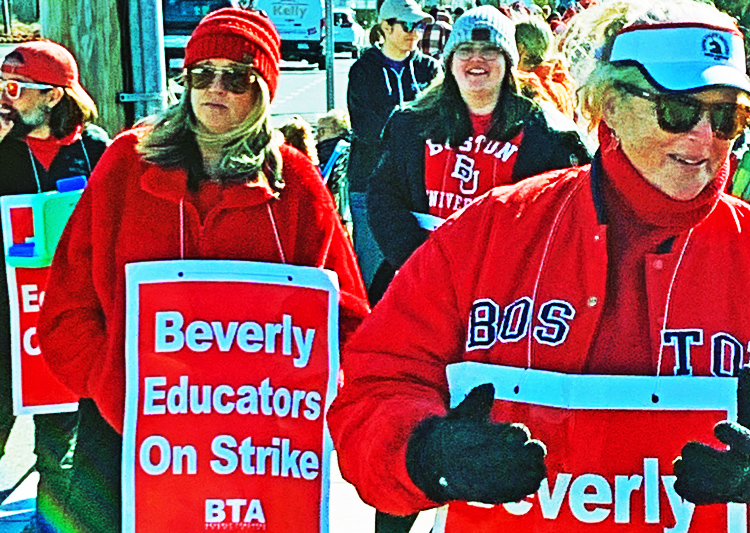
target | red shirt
[
  {"x": 454, "y": 177},
  {"x": 45, "y": 150}
]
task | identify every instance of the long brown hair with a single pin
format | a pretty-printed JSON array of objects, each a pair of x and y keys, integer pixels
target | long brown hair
[
  {"x": 247, "y": 151},
  {"x": 69, "y": 113},
  {"x": 443, "y": 98}
]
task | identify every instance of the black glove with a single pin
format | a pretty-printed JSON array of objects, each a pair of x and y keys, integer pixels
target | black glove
[
  {"x": 465, "y": 456},
  {"x": 707, "y": 475}
]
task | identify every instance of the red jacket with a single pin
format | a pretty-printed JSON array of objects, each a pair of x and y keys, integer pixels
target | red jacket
[
  {"x": 517, "y": 277},
  {"x": 130, "y": 212}
]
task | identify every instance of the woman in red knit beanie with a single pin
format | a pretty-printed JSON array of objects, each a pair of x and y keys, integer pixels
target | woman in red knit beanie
[{"x": 209, "y": 179}]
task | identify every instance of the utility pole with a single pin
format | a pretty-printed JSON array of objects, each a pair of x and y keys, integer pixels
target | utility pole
[
  {"x": 148, "y": 73},
  {"x": 330, "y": 47},
  {"x": 119, "y": 47},
  {"x": 90, "y": 29},
  {"x": 7, "y": 27}
]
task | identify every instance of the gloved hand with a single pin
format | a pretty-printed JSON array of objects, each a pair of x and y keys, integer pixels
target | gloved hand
[
  {"x": 707, "y": 475},
  {"x": 465, "y": 456}
]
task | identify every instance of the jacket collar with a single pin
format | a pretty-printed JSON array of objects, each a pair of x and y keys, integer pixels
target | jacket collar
[
  {"x": 171, "y": 184},
  {"x": 644, "y": 201}
]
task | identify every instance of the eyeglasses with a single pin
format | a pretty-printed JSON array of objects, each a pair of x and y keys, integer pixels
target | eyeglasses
[
  {"x": 13, "y": 87},
  {"x": 236, "y": 80},
  {"x": 680, "y": 114},
  {"x": 488, "y": 53},
  {"x": 408, "y": 27}
]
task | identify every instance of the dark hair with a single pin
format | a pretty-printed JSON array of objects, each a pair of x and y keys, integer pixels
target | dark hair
[
  {"x": 376, "y": 34},
  {"x": 452, "y": 121},
  {"x": 70, "y": 113}
]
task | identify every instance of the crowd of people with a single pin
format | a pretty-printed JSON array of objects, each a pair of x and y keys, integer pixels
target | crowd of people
[{"x": 508, "y": 155}]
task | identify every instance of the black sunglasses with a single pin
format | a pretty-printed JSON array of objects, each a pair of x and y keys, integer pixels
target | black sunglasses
[
  {"x": 236, "y": 80},
  {"x": 679, "y": 113},
  {"x": 408, "y": 26}
]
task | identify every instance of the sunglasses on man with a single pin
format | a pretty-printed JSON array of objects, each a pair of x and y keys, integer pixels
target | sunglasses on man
[
  {"x": 408, "y": 27},
  {"x": 237, "y": 80},
  {"x": 13, "y": 88},
  {"x": 680, "y": 113}
]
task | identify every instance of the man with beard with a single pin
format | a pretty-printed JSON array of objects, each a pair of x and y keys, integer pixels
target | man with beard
[{"x": 45, "y": 135}]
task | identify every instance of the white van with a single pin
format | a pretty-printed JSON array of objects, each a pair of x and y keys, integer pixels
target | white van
[
  {"x": 300, "y": 25},
  {"x": 348, "y": 36}
]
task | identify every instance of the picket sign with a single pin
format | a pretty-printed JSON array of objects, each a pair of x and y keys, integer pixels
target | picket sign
[
  {"x": 610, "y": 444},
  {"x": 35, "y": 389},
  {"x": 230, "y": 369}
]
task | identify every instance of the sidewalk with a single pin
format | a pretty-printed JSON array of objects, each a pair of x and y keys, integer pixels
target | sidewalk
[
  {"x": 348, "y": 513},
  {"x": 17, "y": 509}
]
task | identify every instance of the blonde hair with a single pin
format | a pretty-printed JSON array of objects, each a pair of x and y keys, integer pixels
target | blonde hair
[
  {"x": 589, "y": 39},
  {"x": 249, "y": 151},
  {"x": 337, "y": 119}
]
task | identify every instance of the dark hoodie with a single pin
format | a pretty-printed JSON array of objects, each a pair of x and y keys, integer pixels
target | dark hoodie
[{"x": 374, "y": 91}]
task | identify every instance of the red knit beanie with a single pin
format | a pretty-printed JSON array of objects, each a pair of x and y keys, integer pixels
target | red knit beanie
[{"x": 240, "y": 35}]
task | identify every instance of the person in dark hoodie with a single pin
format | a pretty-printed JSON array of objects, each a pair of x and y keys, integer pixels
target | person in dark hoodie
[
  {"x": 386, "y": 76},
  {"x": 468, "y": 133}
]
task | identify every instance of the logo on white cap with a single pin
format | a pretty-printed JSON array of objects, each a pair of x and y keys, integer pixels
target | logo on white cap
[
  {"x": 716, "y": 46},
  {"x": 683, "y": 56}
]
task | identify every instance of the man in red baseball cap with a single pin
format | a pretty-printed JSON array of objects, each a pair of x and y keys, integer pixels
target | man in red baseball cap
[{"x": 45, "y": 135}]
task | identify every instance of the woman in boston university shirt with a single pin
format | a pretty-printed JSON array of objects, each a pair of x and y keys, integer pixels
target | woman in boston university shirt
[{"x": 463, "y": 136}]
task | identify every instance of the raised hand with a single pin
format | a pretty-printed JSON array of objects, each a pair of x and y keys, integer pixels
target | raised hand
[
  {"x": 707, "y": 475},
  {"x": 465, "y": 456}
]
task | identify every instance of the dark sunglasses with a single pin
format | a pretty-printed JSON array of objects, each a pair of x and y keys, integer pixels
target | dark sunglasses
[
  {"x": 679, "y": 114},
  {"x": 408, "y": 26},
  {"x": 236, "y": 80},
  {"x": 13, "y": 88}
]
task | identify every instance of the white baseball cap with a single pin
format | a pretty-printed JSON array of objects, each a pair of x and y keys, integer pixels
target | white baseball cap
[
  {"x": 403, "y": 10},
  {"x": 679, "y": 56}
]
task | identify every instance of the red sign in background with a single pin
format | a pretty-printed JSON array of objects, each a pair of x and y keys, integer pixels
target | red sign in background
[
  {"x": 609, "y": 470},
  {"x": 40, "y": 389},
  {"x": 235, "y": 376},
  {"x": 35, "y": 389}
]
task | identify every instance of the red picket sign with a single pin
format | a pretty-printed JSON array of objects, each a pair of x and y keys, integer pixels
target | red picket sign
[
  {"x": 35, "y": 389},
  {"x": 230, "y": 367},
  {"x": 610, "y": 444}
]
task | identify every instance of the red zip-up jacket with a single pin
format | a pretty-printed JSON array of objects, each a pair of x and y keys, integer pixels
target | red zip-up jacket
[
  {"x": 519, "y": 278},
  {"x": 131, "y": 211}
]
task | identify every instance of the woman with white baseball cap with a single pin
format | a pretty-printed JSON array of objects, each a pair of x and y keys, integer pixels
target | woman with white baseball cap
[
  {"x": 387, "y": 75},
  {"x": 642, "y": 254}
]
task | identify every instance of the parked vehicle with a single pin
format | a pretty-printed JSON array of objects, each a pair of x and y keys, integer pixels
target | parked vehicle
[
  {"x": 348, "y": 36},
  {"x": 301, "y": 26}
]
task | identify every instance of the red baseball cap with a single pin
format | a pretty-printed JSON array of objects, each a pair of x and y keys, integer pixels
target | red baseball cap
[{"x": 46, "y": 62}]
